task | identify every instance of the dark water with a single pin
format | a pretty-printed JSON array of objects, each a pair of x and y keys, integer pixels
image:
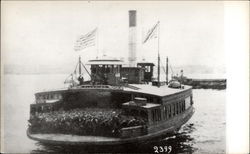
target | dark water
[{"x": 203, "y": 133}]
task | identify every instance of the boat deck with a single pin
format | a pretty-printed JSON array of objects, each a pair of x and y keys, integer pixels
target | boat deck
[{"x": 154, "y": 90}]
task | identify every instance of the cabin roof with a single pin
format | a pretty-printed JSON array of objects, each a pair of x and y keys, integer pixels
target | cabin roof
[
  {"x": 105, "y": 61},
  {"x": 154, "y": 90}
]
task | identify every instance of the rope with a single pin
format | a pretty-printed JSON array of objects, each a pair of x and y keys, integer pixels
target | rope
[
  {"x": 163, "y": 67},
  {"x": 67, "y": 78},
  {"x": 171, "y": 69},
  {"x": 75, "y": 68},
  {"x": 86, "y": 70}
]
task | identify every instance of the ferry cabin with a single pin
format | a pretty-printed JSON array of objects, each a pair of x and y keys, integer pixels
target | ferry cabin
[{"x": 162, "y": 106}]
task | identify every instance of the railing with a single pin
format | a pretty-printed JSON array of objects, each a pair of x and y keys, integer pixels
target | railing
[
  {"x": 98, "y": 87},
  {"x": 132, "y": 87}
]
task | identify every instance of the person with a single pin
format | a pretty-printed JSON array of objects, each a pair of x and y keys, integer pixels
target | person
[{"x": 80, "y": 79}]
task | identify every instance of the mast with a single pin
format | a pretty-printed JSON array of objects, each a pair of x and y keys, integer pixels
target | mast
[
  {"x": 167, "y": 70},
  {"x": 158, "y": 71},
  {"x": 80, "y": 69}
]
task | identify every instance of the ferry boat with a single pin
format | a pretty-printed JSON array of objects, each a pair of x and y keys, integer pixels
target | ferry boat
[{"x": 163, "y": 106}]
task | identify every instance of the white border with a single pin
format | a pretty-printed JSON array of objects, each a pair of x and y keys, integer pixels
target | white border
[{"x": 237, "y": 59}]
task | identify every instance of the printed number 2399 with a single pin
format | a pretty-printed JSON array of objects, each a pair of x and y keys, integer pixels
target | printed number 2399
[{"x": 161, "y": 149}]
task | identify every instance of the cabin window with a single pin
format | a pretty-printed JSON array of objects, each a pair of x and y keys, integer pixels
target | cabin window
[
  {"x": 179, "y": 103},
  {"x": 39, "y": 109},
  {"x": 165, "y": 111},
  {"x": 147, "y": 69},
  {"x": 156, "y": 115},
  {"x": 147, "y": 98},
  {"x": 159, "y": 101},
  {"x": 177, "y": 108},
  {"x": 155, "y": 100},
  {"x": 173, "y": 109},
  {"x": 180, "y": 107},
  {"x": 93, "y": 70},
  {"x": 32, "y": 110},
  {"x": 153, "y": 115},
  {"x": 108, "y": 70},
  {"x": 159, "y": 115},
  {"x": 169, "y": 113},
  {"x": 150, "y": 99},
  {"x": 136, "y": 73}
]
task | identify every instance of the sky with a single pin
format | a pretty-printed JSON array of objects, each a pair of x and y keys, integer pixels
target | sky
[{"x": 44, "y": 33}]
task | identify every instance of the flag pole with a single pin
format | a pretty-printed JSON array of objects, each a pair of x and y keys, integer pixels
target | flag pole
[
  {"x": 158, "y": 28},
  {"x": 97, "y": 43}
]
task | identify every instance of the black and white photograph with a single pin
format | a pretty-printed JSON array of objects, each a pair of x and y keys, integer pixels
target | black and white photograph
[{"x": 119, "y": 77}]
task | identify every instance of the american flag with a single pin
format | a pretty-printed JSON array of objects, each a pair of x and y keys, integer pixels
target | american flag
[
  {"x": 86, "y": 40},
  {"x": 152, "y": 33}
]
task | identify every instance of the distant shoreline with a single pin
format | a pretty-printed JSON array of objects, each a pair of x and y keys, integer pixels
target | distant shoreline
[{"x": 189, "y": 70}]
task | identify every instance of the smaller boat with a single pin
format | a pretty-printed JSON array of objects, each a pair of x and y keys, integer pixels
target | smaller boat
[{"x": 201, "y": 83}]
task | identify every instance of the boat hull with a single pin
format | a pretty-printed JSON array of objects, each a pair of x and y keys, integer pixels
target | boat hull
[{"x": 162, "y": 131}]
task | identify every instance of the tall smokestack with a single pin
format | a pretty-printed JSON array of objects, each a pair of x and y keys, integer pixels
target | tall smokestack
[{"x": 132, "y": 38}]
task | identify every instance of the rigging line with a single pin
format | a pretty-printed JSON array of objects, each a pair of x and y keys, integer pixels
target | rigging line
[
  {"x": 86, "y": 70},
  {"x": 67, "y": 78},
  {"x": 163, "y": 67},
  {"x": 171, "y": 69},
  {"x": 75, "y": 68}
]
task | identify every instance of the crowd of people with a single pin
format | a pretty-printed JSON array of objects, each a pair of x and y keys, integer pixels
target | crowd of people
[{"x": 88, "y": 121}]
